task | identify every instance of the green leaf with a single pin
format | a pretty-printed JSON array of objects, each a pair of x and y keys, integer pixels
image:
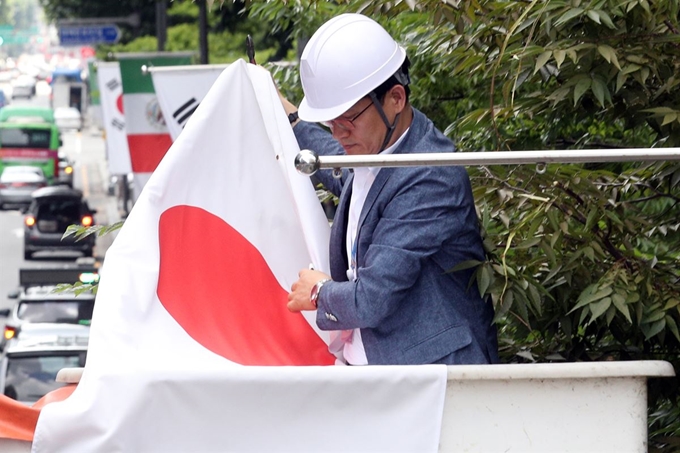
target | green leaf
[
  {"x": 621, "y": 79},
  {"x": 589, "y": 253},
  {"x": 672, "y": 326},
  {"x": 581, "y": 87},
  {"x": 570, "y": 14},
  {"x": 609, "y": 315},
  {"x": 542, "y": 60},
  {"x": 645, "y": 6},
  {"x": 535, "y": 298},
  {"x": 484, "y": 278},
  {"x": 505, "y": 306},
  {"x": 604, "y": 17},
  {"x": 614, "y": 218},
  {"x": 619, "y": 302},
  {"x": 592, "y": 216},
  {"x": 671, "y": 303},
  {"x": 630, "y": 68},
  {"x": 594, "y": 15},
  {"x": 609, "y": 54},
  {"x": 654, "y": 316},
  {"x": 592, "y": 294},
  {"x": 598, "y": 308},
  {"x": 606, "y": 51},
  {"x": 528, "y": 244},
  {"x": 549, "y": 252},
  {"x": 655, "y": 328},
  {"x": 599, "y": 90},
  {"x": 465, "y": 265},
  {"x": 669, "y": 118},
  {"x": 559, "y": 57}
]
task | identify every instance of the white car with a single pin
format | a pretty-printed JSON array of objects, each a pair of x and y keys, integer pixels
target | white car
[
  {"x": 68, "y": 118},
  {"x": 30, "y": 363},
  {"x": 23, "y": 86},
  {"x": 17, "y": 184}
]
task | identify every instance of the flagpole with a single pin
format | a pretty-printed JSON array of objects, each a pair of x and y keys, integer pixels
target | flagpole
[{"x": 308, "y": 162}]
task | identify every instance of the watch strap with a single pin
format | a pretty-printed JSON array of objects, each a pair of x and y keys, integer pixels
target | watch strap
[{"x": 316, "y": 290}]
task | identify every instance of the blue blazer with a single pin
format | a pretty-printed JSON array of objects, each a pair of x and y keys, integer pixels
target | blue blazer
[{"x": 416, "y": 225}]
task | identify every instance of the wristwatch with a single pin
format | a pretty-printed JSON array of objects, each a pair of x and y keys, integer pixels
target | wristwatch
[
  {"x": 293, "y": 117},
  {"x": 316, "y": 289}
]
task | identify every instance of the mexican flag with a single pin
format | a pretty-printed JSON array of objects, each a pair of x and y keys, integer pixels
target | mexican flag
[
  {"x": 147, "y": 133},
  {"x": 192, "y": 347}
]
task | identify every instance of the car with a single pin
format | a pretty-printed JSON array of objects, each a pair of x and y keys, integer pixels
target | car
[
  {"x": 68, "y": 118},
  {"x": 38, "y": 302},
  {"x": 51, "y": 212},
  {"x": 65, "y": 176},
  {"x": 17, "y": 184},
  {"x": 23, "y": 86},
  {"x": 30, "y": 363}
]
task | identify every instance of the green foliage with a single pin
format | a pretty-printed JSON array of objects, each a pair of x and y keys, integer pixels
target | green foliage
[
  {"x": 224, "y": 45},
  {"x": 80, "y": 232},
  {"x": 582, "y": 259},
  {"x": 71, "y": 9},
  {"x": 77, "y": 288}
]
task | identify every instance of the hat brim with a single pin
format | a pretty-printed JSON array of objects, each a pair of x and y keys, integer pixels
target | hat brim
[{"x": 316, "y": 115}]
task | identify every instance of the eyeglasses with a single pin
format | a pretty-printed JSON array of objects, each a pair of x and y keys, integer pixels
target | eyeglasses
[{"x": 345, "y": 124}]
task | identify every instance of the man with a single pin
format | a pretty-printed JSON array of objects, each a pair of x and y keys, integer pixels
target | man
[{"x": 397, "y": 232}]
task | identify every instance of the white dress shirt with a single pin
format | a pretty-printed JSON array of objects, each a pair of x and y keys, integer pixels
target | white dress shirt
[{"x": 353, "y": 349}]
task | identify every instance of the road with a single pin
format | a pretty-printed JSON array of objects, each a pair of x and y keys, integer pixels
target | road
[{"x": 87, "y": 150}]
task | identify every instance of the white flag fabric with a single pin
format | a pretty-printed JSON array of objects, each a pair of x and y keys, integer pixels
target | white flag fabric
[
  {"x": 195, "y": 286},
  {"x": 180, "y": 90},
  {"x": 111, "y": 99}
]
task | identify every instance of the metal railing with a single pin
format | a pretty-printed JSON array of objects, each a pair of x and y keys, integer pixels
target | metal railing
[{"x": 308, "y": 162}]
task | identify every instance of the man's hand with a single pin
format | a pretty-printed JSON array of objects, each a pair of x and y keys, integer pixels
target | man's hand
[{"x": 298, "y": 298}]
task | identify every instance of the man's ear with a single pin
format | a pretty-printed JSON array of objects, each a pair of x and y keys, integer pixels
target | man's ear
[{"x": 397, "y": 98}]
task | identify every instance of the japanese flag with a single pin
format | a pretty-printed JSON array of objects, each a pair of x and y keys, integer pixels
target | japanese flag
[{"x": 195, "y": 286}]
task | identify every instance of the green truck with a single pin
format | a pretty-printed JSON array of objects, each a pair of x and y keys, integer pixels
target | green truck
[{"x": 28, "y": 136}]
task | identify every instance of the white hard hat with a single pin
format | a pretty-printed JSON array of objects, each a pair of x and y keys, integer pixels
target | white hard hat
[{"x": 347, "y": 58}]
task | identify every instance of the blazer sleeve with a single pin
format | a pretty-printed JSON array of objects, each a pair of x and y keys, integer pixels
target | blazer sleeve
[{"x": 421, "y": 214}]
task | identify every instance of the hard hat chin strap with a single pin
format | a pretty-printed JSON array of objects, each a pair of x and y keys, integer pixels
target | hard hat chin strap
[{"x": 390, "y": 127}]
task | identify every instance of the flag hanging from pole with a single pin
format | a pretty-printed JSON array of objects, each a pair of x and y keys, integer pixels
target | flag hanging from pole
[
  {"x": 181, "y": 90},
  {"x": 147, "y": 133},
  {"x": 195, "y": 286},
  {"x": 111, "y": 99}
]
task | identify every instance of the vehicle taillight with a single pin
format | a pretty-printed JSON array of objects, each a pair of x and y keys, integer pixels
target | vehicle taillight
[
  {"x": 10, "y": 332},
  {"x": 86, "y": 221},
  {"x": 3, "y": 185},
  {"x": 29, "y": 221}
]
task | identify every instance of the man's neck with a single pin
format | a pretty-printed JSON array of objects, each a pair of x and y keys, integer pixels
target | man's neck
[{"x": 403, "y": 123}]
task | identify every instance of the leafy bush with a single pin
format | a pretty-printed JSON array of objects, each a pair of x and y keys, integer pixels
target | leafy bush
[{"x": 582, "y": 259}]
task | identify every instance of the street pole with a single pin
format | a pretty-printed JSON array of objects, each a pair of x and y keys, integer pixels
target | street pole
[
  {"x": 203, "y": 30},
  {"x": 161, "y": 24}
]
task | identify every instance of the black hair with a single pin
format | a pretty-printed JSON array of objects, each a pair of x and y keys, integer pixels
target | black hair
[{"x": 400, "y": 77}]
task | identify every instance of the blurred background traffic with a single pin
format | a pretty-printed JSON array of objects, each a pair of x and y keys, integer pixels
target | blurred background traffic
[{"x": 53, "y": 174}]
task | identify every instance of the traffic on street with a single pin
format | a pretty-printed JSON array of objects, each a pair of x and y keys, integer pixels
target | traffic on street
[
  {"x": 86, "y": 150},
  {"x": 53, "y": 174}
]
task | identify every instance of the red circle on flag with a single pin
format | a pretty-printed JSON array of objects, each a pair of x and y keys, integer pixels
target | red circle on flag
[
  {"x": 219, "y": 288},
  {"x": 119, "y": 103}
]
